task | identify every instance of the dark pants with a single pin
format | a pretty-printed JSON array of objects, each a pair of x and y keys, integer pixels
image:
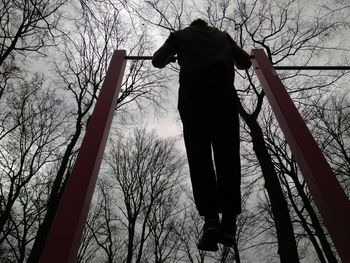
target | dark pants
[{"x": 209, "y": 114}]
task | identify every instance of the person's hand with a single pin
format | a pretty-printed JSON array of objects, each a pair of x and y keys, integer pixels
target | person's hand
[{"x": 172, "y": 59}]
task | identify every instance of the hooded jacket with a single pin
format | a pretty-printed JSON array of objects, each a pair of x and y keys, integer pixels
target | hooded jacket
[{"x": 199, "y": 46}]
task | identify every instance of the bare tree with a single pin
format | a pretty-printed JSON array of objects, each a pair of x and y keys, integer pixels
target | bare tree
[
  {"x": 28, "y": 139},
  {"x": 333, "y": 132},
  {"x": 88, "y": 247},
  {"x": 299, "y": 198},
  {"x": 86, "y": 55},
  {"x": 163, "y": 245},
  {"x": 27, "y": 212},
  {"x": 104, "y": 226},
  {"x": 148, "y": 173},
  {"x": 188, "y": 232},
  {"x": 35, "y": 121},
  {"x": 26, "y": 27}
]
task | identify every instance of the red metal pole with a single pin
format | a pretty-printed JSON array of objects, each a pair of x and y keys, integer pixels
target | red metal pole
[
  {"x": 64, "y": 238},
  {"x": 326, "y": 191}
]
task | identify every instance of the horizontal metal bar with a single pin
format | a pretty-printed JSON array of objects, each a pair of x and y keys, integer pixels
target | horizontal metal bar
[
  {"x": 138, "y": 57},
  {"x": 275, "y": 67},
  {"x": 311, "y": 67}
]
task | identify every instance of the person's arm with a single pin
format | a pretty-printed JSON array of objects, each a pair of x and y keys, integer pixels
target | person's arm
[
  {"x": 241, "y": 58},
  {"x": 164, "y": 55}
]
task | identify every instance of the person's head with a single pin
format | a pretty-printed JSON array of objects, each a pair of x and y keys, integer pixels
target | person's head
[{"x": 199, "y": 22}]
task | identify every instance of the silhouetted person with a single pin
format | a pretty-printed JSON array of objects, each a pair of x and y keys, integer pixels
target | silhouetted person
[{"x": 208, "y": 110}]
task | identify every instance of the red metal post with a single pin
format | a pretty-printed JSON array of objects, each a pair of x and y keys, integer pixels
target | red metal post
[
  {"x": 326, "y": 191},
  {"x": 63, "y": 240}
]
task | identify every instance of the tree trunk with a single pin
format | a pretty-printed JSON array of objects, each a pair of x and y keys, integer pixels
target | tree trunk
[
  {"x": 131, "y": 236},
  {"x": 287, "y": 248},
  {"x": 315, "y": 222},
  {"x": 236, "y": 250},
  {"x": 305, "y": 225}
]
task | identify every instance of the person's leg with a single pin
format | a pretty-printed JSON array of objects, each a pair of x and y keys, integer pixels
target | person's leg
[
  {"x": 226, "y": 147},
  {"x": 198, "y": 149},
  {"x": 226, "y": 144},
  {"x": 197, "y": 139},
  {"x": 227, "y": 229},
  {"x": 202, "y": 174}
]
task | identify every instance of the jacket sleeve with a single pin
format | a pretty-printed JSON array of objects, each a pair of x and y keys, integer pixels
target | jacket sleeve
[
  {"x": 165, "y": 54},
  {"x": 241, "y": 58}
]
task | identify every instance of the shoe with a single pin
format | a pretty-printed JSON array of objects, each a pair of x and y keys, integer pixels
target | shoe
[
  {"x": 210, "y": 236},
  {"x": 227, "y": 233}
]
